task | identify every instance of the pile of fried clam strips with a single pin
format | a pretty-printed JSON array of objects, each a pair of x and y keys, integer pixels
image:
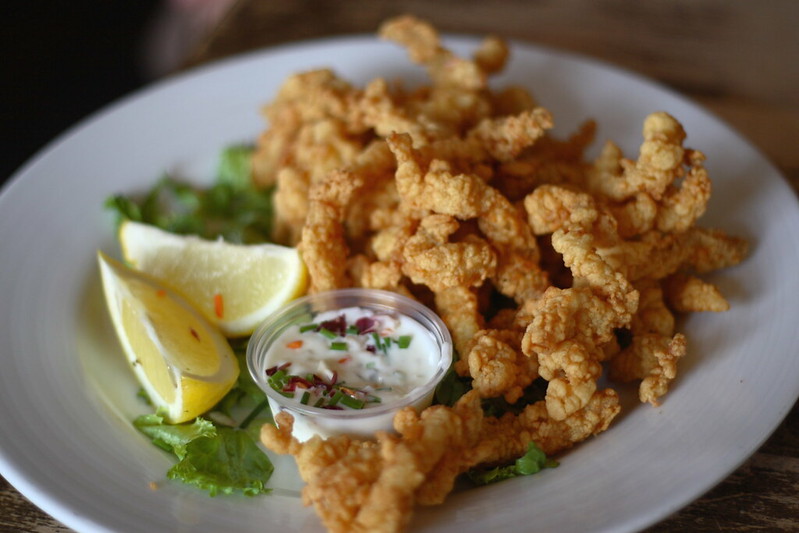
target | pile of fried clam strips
[{"x": 550, "y": 270}]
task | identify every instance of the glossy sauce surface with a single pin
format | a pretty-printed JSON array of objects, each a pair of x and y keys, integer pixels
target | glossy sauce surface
[{"x": 352, "y": 358}]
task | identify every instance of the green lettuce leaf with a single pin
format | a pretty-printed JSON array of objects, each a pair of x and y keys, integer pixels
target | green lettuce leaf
[
  {"x": 214, "y": 458},
  {"x": 228, "y": 462},
  {"x": 173, "y": 437}
]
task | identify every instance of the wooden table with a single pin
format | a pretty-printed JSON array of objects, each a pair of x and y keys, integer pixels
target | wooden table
[{"x": 738, "y": 58}]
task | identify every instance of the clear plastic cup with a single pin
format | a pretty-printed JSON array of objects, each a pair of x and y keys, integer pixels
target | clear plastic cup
[{"x": 309, "y": 420}]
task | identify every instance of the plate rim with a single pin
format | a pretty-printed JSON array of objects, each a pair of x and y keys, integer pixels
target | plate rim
[{"x": 51, "y": 505}]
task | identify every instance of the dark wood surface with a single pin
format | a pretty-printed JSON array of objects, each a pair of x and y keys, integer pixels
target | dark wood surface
[{"x": 739, "y": 59}]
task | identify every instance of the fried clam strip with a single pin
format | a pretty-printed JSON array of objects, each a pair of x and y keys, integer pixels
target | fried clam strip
[
  {"x": 657, "y": 255},
  {"x": 667, "y": 188},
  {"x": 444, "y": 68},
  {"x": 323, "y": 245},
  {"x": 490, "y": 353},
  {"x": 330, "y": 232},
  {"x": 311, "y": 133},
  {"x": 589, "y": 268},
  {"x": 549, "y": 161},
  {"x": 375, "y": 207},
  {"x": 641, "y": 230},
  {"x": 361, "y": 485},
  {"x": 433, "y": 186},
  {"x": 303, "y": 100},
  {"x": 504, "y": 439},
  {"x": 567, "y": 334},
  {"x": 457, "y": 111},
  {"x": 370, "y": 485},
  {"x": 459, "y": 308},
  {"x": 463, "y": 196},
  {"x": 652, "y": 356},
  {"x": 654, "y": 254},
  {"x": 654, "y": 349},
  {"x": 380, "y": 265},
  {"x": 497, "y": 365},
  {"x": 659, "y": 163},
  {"x": 431, "y": 260},
  {"x": 507, "y": 437},
  {"x": 686, "y": 293},
  {"x": 571, "y": 327},
  {"x": 458, "y": 97},
  {"x": 319, "y": 122}
]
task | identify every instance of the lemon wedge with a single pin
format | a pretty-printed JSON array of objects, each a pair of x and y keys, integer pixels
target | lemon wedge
[
  {"x": 235, "y": 286},
  {"x": 182, "y": 361}
]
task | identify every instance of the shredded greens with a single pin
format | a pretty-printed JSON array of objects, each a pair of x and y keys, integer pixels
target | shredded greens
[
  {"x": 531, "y": 462},
  {"x": 231, "y": 208}
]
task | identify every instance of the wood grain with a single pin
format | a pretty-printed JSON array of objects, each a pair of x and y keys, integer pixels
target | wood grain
[{"x": 737, "y": 58}]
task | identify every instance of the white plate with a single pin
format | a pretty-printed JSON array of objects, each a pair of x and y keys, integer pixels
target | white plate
[{"x": 66, "y": 399}]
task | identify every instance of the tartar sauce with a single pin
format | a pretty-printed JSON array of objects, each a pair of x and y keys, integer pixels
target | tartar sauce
[{"x": 352, "y": 358}]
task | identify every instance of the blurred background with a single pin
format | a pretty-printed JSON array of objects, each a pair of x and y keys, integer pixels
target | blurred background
[{"x": 63, "y": 61}]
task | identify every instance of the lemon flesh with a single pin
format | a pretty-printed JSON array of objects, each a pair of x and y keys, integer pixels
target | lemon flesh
[
  {"x": 182, "y": 361},
  {"x": 235, "y": 286}
]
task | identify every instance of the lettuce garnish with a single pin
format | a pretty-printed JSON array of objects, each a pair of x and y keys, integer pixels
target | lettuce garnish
[
  {"x": 219, "y": 455},
  {"x": 211, "y": 457},
  {"x": 232, "y": 207}
]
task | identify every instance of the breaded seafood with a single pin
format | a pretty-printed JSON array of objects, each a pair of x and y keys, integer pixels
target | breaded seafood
[{"x": 552, "y": 271}]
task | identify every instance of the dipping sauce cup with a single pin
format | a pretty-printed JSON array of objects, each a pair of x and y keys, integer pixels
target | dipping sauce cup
[{"x": 345, "y": 361}]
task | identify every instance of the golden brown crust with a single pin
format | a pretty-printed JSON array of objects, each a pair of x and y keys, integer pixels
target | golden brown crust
[{"x": 544, "y": 265}]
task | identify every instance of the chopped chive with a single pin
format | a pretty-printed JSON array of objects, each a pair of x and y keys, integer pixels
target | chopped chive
[
  {"x": 312, "y": 390},
  {"x": 327, "y": 333},
  {"x": 371, "y": 365},
  {"x": 340, "y": 346},
  {"x": 308, "y": 327},
  {"x": 278, "y": 380},
  {"x": 353, "y": 330},
  {"x": 352, "y": 403},
  {"x": 336, "y": 398},
  {"x": 404, "y": 341}
]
